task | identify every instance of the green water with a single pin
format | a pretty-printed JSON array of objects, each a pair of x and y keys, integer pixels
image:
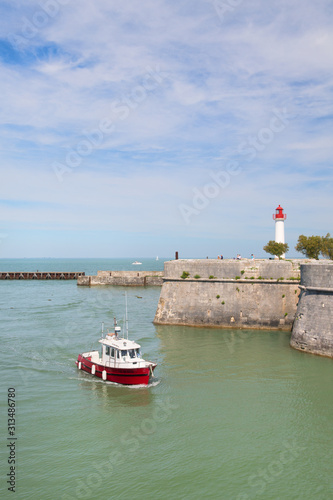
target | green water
[{"x": 231, "y": 414}]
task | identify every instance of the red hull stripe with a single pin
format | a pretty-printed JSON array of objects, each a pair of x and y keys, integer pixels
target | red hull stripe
[
  {"x": 123, "y": 381},
  {"x": 117, "y": 374}
]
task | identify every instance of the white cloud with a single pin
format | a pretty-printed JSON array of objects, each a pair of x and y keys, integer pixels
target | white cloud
[{"x": 221, "y": 80}]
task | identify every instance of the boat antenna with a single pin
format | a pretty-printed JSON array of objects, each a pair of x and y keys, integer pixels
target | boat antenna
[{"x": 126, "y": 319}]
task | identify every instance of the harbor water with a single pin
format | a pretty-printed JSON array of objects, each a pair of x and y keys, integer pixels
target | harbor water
[{"x": 230, "y": 414}]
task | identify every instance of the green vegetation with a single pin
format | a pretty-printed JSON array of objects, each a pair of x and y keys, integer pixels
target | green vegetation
[
  {"x": 252, "y": 278},
  {"x": 185, "y": 275},
  {"x": 243, "y": 271},
  {"x": 217, "y": 296},
  {"x": 275, "y": 248},
  {"x": 280, "y": 279},
  {"x": 197, "y": 276},
  {"x": 312, "y": 246},
  {"x": 211, "y": 277},
  {"x": 285, "y": 314},
  {"x": 222, "y": 302},
  {"x": 283, "y": 296},
  {"x": 237, "y": 289},
  {"x": 327, "y": 246},
  {"x": 237, "y": 278}
]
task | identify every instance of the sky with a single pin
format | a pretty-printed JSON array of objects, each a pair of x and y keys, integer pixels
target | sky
[{"x": 136, "y": 129}]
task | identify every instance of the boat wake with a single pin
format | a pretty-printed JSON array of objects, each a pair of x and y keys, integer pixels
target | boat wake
[{"x": 153, "y": 383}]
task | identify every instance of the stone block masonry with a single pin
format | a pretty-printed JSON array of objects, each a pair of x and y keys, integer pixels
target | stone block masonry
[
  {"x": 123, "y": 278},
  {"x": 230, "y": 268},
  {"x": 260, "y": 293},
  {"x": 313, "y": 326},
  {"x": 228, "y": 303}
]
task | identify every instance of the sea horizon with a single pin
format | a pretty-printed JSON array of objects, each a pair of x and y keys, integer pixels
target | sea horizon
[{"x": 89, "y": 266}]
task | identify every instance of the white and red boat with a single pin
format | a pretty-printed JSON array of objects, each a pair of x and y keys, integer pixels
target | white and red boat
[{"x": 119, "y": 361}]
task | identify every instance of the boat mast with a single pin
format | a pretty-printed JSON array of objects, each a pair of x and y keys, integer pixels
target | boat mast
[{"x": 126, "y": 319}]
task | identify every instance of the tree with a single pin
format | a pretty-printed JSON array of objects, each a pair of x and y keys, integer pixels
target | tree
[
  {"x": 310, "y": 246},
  {"x": 327, "y": 246},
  {"x": 275, "y": 248}
]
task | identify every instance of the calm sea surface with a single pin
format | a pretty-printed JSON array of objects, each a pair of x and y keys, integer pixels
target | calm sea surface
[{"x": 231, "y": 414}]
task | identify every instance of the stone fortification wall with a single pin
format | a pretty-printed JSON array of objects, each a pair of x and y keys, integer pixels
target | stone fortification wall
[
  {"x": 230, "y": 268},
  {"x": 226, "y": 303},
  {"x": 313, "y": 326},
  {"x": 123, "y": 278},
  {"x": 230, "y": 293}
]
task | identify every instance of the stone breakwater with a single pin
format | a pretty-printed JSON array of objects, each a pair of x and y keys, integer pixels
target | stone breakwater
[
  {"x": 313, "y": 326},
  {"x": 38, "y": 275},
  {"x": 260, "y": 293},
  {"x": 123, "y": 278}
]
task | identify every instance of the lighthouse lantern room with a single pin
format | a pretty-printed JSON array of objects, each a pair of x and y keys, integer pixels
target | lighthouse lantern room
[
  {"x": 279, "y": 218},
  {"x": 279, "y": 213}
]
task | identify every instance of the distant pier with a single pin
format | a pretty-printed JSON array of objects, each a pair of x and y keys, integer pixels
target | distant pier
[
  {"x": 38, "y": 275},
  {"x": 123, "y": 278}
]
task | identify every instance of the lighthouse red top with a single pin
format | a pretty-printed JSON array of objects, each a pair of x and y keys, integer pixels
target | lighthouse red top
[{"x": 279, "y": 215}]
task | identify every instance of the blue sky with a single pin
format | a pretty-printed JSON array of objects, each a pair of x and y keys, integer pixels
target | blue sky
[{"x": 132, "y": 129}]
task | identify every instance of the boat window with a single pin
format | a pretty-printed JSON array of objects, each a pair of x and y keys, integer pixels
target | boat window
[
  {"x": 112, "y": 352},
  {"x": 118, "y": 354},
  {"x": 124, "y": 353},
  {"x": 138, "y": 353},
  {"x": 132, "y": 353},
  {"x": 107, "y": 350}
]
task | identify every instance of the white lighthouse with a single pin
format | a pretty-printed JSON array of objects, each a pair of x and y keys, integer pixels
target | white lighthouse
[{"x": 279, "y": 218}]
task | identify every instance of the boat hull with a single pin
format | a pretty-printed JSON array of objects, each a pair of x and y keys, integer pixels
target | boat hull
[{"x": 123, "y": 376}]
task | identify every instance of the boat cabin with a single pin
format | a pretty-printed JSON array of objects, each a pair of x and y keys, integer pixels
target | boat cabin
[{"x": 118, "y": 351}]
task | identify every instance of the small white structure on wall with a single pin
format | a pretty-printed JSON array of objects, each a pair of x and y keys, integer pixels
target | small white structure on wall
[{"x": 279, "y": 218}]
